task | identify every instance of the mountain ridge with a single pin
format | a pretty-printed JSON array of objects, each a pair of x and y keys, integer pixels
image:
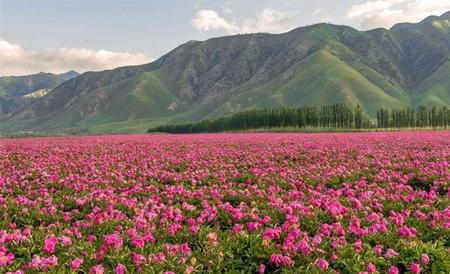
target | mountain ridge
[{"x": 16, "y": 91}]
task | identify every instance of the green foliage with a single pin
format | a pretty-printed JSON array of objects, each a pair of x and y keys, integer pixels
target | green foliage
[
  {"x": 338, "y": 116},
  {"x": 409, "y": 118},
  {"x": 334, "y": 116}
]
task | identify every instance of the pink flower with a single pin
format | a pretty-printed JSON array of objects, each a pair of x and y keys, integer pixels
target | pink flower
[
  {"x": 317, "y": 240},
  {"x": 75, "y": 264},
  {"x": 17, "y": 272},
  {"x": 160, "y": 257},
  {"x": 148, "y": 237},
  {"x": 49, "y": 262},
  {"x": 390, "y": 253},
  {"x": 425, "y": 259},
  {"x": 272, "y": 233},
  {"x": 407, "y": 232},
  {"x": 138, "y": 259},
  {"x": 91, "y": 238},
  {"x": 253, "y": 226},
  {"x": 65, "y": 241},
  {"x": 114, "y": 240},
  {"x": 173, "y": 228},
  {"x": 322, "y": 264},
  {"x": 185, "y": 249},
  {"x": 334, "y": 258},
  {"x": 138, "y": 242},
  {"x": 261, "y": 269},
  {"x": 212, "y": 238},
  {"x": 414, "y": 268},
  {"x": 120, "y": 269},
  {"x": 304, "y": 247},
  {"x": 393, "y": 270},
  {"x": 3, "y": 260},
  {"x": 49, "y": 244},
  {"x": 378, "y": 249},
  {"x": 35, "y": 262},
  {"x": 371, "y": 268},
  {"x": 26, "y": 231},
  {"x": 291, "y": 219},
  {"x": 189, "y": 269},
  {"x": 358, "y": 246},
  {"x": 280, "y": 260},
  {"x": 193, "y": 229},
  {"x": 97, "y": 269}
]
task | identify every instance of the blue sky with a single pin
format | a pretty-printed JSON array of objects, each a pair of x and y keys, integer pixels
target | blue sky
[{"x": 56, "y": 35}]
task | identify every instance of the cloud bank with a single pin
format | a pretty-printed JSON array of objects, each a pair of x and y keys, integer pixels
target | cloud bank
[
  {"x": 206, "y": 20},
  {"x": 17, "y": 60},
  {"x": 268, "y": 20},
  {"x": 386, "y": 13}
]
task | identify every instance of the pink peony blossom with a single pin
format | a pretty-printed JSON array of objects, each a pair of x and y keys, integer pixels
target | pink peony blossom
[
  {"x": 393, "y": 270},
  {"x": 50, "y": 244},
  {"x": 322, "y": 264},
  {"x": 76, "y": 263},
  {"x": 261, "y": 269},
  {"x": 97, "y": 269},
  {"x": 390, "y": 253},
  {"x": 378, "y": 249},
  {"x": 189, "y": 269},
  {"x": 414, "y": 268},
  {"x": 143, "y": 199},
  {"x": 371, "y": 268},
  {"x": 425, "y": 259},
  {"x": 120, "y": 269}
]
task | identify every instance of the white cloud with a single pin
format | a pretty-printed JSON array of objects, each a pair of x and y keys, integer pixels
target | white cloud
[
  {"x": 16, "y": 60},
  {"x": 372, "y": 7},
  {"x": 385, "y": 13},
  {"x": 206, "y": 20},
  {"x": 268, "y": 20}
]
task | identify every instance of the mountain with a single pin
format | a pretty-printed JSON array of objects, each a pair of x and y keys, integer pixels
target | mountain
[
  {"x": 19, "y": 91},
  {"x": 322, "y": 64}
]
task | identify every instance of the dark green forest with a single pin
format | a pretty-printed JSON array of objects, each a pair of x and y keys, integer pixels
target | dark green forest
[{"x": 337, "y": 116}]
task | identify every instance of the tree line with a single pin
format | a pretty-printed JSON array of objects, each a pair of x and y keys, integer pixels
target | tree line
[
  {"x": 337, "y": 116},
  {"x": 422, "y": 117}
]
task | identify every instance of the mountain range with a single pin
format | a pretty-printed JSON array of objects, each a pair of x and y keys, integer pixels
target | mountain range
[
  {"x": 405, "y": 66},
  {"x": 17, "y": 92}
]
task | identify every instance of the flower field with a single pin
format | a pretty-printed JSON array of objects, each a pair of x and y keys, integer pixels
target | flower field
[{"x": 226, "y": 203}]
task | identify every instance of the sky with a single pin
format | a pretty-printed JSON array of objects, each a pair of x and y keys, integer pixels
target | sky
[{"x": 84, "y": 35}]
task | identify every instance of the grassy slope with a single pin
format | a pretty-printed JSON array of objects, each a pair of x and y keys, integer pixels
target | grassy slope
[
  {"x": 130, "y": 126},
  {"x": 435, "y": 90},
  {"x": 134, "y": 100},
  {"x": 143, "y": 96},
  {"x": 299, "y": 86},
  {"x": 140, "y": 97},
  {"x": 321, "y": 79}
]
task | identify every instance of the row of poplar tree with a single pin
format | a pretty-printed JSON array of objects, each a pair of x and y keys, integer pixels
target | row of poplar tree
[
  {"x": 422, "y": 117},
  {"x": 337, "y": 116}
]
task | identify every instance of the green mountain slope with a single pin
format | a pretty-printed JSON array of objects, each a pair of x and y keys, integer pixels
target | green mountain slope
[
  {"x": 320, "y": 79},
  {"x": 435, "y": 89},
  {"x": 321, "y": 64}
]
